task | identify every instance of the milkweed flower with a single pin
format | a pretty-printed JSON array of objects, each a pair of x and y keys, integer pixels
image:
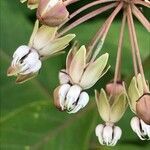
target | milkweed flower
[
  {"x": 111, "y": 108},
  {"x": 78, "y": 76},
  {"x": 139, "y": 102},
  {"x": 32, "y": 4},
  {"x": 27, "y": 59},
  {"x": 52, "y": 12}
]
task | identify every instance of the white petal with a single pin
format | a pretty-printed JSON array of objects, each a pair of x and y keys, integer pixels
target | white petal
[
  {"x": 82, "y": 102},
  {"x": 32, "y": 58},
  {"x": 83, "y": 99},
  {"x": 63, "y": 77},
  {"x": 145, "y": 129},
  {"x": 62, "y": 94},
  {"x": 107, "y": 134},
  {"x": 72, "y": 96},
  {"x": 135, "y": 125},
  {"x": 21, "y": 51},
  {"x": 75, "y": 109},
  {"x": 35, "y": 68},
  {"x": 116, "y": 135},
  {"x": 99, "y": 132}
]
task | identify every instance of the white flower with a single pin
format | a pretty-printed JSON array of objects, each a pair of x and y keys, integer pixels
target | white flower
[
  {"x": 140, "y": 128},
  {"x": 25, "y": 61},
  {"x": 43, "y": 43},
  {"x": 111, "y": 109},
  {"x": 108, "y": 134},
  {"x": 80, "y": 75},
  {"x": 70, "y": 98}
]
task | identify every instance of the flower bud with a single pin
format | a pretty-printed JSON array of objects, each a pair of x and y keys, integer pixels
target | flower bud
[
  {"x": 52, "y": 12},
  {"x": 143, "y": 108},
  {"x": 140, "y": 128},
  {"x": 108, "y": 134},
  {"x": 114, "y": 89},
  {"x": 70, "y": 98}
]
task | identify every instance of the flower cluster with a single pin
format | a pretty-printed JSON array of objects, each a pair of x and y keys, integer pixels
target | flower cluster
[{"x": 85, "y": 66}]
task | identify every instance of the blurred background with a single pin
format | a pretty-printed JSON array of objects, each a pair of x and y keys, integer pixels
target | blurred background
[{"x": 29, "y": 119}]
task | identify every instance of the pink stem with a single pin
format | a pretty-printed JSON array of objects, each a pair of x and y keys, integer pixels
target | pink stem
[
  {"x": 137, "y": 51},
  {"x": 146, "y": 4},
  {"x": 102, "y": 33},
  {"x": 118, "y": 60},
  {"x": 86, "y": 7},
  {"x": 132, "y": 47},
  {"x": 141, "y": 17},
  {"x": 86, "y": 17}
]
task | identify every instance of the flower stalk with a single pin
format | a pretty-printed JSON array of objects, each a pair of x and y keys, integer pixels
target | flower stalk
[{"x": 86, "y": 17}]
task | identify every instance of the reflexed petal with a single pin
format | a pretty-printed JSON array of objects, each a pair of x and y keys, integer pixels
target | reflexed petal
[
  {"x": 116, "y": 135},
  {"x": 82, "y": 102},
  {"x": 62, "y": 94},
  {"x": 32, "y": 69},
  {"x": 94, "y": 71},
  {"x": 107, "y": 134},
  {"x": 20, "y": 52},
  {"x": 57, "y": 45},
  {"x": 133, "y": 94},
  {"x": 83, "y": 99},
  {"x": 146, "y": 129},
  {"x": 118, "y": 108},
  {"x": 99, "y": 133},
  {"x": 72, "y": 96},
  {"x": 23, "y": 78},
  {"x": 43, "y": 36},
  {"x": 137, "y": 127},
  {"x": 77, "y": 65},
  {"x": 103, "y": 105}
]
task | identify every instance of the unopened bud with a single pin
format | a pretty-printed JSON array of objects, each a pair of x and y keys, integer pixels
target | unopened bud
[
  {"x": 114, "y": 88},
  {"x": 143, "y": 108},
  {"x": 52, "y": 12}
]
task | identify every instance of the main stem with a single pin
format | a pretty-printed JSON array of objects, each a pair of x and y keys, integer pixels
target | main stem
[
  {"x": 137, "y": 51},
  {"x": 119, "y": 53},
  {"x": 84, "y": 8},
  {"x": 135, "y": 66},
  {"x": 86, "y": 17}
]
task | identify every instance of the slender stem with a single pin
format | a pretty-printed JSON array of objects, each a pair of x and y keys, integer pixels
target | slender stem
[
  {"x": 102, "y": 32},
  {"x": 86, "y": 17},
  {"x": 119, "y": 53},
  {"x": 146, "y": 4},
  {"x": 68, "y": 2},
  {"x": 141, "y": 17},
  {"x": 132, "y": 47},
  {"x": 84, "y": 8},
  {"x": 137, "y": 50}
]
